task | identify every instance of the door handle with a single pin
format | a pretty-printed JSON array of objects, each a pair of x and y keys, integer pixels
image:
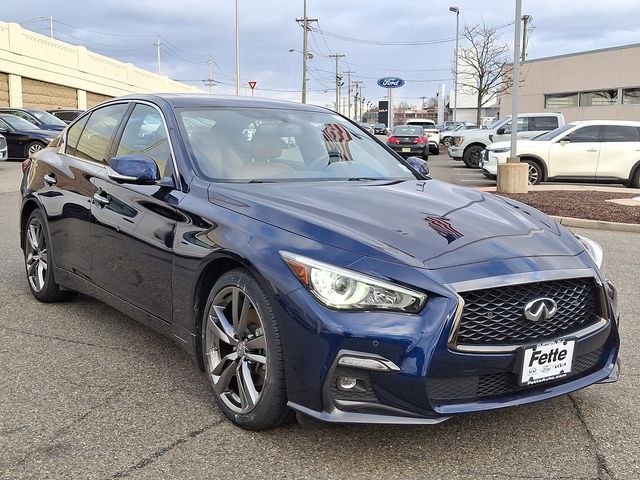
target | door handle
[
  {"x": 50, "y": 179},
  {"x": 592, "y": 149},
  {"x": 99, "y": 198}
]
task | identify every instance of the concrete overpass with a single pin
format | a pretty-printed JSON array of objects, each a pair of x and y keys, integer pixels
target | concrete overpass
[{"x": 41, "y": 72}]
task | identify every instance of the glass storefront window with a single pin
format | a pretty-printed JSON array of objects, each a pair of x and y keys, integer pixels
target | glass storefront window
[
  {"x": 561, "y": 100},
  {"x": 631, "y": 96}
]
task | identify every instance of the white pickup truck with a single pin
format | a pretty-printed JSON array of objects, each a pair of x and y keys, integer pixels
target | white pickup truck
[{"x": 469, "y": 144}]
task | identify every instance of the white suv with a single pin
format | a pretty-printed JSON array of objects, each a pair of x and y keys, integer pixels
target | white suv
[
  {"x": 433, "y": 134},
  {"x": 589, "y": 151},
  {"x": 468, "y": 145}
]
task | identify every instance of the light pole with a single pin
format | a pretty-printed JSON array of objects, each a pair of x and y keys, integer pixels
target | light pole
[
  {"x": 455, "y": 10},
  {"x": 513, "y": 176},
  {"x": 237, "y": 49}
]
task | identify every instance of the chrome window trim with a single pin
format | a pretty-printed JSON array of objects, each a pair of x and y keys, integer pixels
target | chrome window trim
[
  {"x": 518, "y": 279},
  {"x": 143, "y": 102}
]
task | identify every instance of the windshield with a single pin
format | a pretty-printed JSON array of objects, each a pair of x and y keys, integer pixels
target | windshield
[
  {"x": 47, "y": 118},
  {"x": 261, "y": 144},
  {"x": 497, "y": 123},
  {"x": 408, "y": 131},
  {"x": 554, "y": 133},
  {"x": 18, "y": 123}
]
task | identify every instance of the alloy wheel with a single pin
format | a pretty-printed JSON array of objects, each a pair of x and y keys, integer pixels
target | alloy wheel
[
  {"x": 533, "y": 175},
  {"x": 36, "y": 255},
  {"x": 34, "y": 147},
  {"x": 236, "y": 349}
]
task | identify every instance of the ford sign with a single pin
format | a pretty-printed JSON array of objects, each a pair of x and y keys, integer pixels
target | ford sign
[{"x": 390, "y": 82}]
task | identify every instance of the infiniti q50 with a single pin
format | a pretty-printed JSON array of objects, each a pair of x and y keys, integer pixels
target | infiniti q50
[{"x": 308, "y": 269}]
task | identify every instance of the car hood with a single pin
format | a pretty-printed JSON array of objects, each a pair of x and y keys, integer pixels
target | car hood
[
  {"x": 521, "y": 143},
  {"x": 473, "y": 131},
  {"x": 40, "y": 133},
  {"x": 427, "y": 223}
]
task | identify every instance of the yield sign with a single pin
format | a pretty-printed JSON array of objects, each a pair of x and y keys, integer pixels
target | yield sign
[{"x": 252, "y": 85}]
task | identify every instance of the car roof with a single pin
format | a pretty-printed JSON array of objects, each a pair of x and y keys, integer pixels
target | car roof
[
  {"x": 630, "y": 123},
  {"x": 186, "y": 100},
  {"x": 420, "y": 120}
]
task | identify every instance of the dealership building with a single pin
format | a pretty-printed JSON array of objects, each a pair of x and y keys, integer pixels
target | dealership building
[{"x": 592, "y": 85}]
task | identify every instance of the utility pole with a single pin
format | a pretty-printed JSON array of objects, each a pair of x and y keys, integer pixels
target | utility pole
[
  {"x": 305, "y": 50},
  {"x": 157, "y": 44},
  {"x": 337, "y": 57},
  {"x": 51, "y": 27},
  {"x": 525, "y": 23},
  {"x": 357, "y": 99},
  {"x": 348, "y": 73},
  {"x": 456, "y": 10},
  {"x": 237, "y": 49},
  {"x": 209, "y": 81}
]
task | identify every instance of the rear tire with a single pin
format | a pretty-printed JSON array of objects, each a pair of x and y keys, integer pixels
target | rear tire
[
  {"x": 38, "y": 260},
  {"x": 243, "y": 358},
  {"x": 472, "y": 156},
  {"x": 634, "y": 181}
]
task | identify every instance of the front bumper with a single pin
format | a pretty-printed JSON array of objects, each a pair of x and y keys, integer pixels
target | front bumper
[
  {"x": 455, "y": 152},
  {"x": 434, "y": 380}
]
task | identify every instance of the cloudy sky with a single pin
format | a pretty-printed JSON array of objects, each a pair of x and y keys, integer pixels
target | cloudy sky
[{"x": 191, "y": 30}]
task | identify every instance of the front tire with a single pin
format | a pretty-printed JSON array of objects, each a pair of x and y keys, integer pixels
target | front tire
[
  {"x": 32, "y": 148},
  {"x": 535, "y": 174},
  {"x": 634, "y": 181},
  {"x": 38, "y": 260},
  {"x": 242, "y": 353},
  {"x": 472, "y": 156}
]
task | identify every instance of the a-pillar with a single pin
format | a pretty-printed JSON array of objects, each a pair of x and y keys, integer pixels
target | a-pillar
[{"x": 15, "y": 91}]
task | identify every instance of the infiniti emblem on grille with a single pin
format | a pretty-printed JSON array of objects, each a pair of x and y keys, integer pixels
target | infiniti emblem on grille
[{"x": 540, "y": 309}]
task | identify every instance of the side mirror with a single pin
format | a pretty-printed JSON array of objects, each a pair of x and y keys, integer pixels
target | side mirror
[
  {"x": 135, "y": 168},
  {"x": 501, "y": 131},
  {"x": 419, "y": 164},
  {"x": 565, "y": 140}
]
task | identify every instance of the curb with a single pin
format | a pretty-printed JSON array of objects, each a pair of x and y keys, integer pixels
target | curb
[{"x": 597, "y": 224}]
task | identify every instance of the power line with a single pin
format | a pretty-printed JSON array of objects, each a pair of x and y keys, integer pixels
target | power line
[{"x": 102, "y": 33}]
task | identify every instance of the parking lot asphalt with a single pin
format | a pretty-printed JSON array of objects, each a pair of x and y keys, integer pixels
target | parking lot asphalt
[{"x": 86, "y": 392}]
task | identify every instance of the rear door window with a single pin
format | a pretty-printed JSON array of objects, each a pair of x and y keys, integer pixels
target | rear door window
[
  {"x": 543, "y": 124},
  {"x": 621, "y": 133},
  {"x": 97, "y": 137},
  {"x": 73, "y": 135}
]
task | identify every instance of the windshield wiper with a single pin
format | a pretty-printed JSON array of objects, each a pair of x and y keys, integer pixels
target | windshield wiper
[
  {"x": 255, "y": 180},
  {"x": 364, "y": 179}
]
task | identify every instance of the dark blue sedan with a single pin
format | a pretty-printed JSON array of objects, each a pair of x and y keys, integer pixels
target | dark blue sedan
[{"x": 308, "y": 269}]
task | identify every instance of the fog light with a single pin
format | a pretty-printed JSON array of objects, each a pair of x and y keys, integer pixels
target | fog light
[{"x": 347, "y": 383}]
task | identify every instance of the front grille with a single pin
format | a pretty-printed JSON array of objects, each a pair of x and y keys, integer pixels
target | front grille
[
  {"x": 495, "y": 316},
  {"x": 474, "y": 387},
  {"x": 3, "y": 143}
]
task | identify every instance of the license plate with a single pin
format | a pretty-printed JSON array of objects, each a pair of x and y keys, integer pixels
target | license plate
[
  {"x": 406, "y": 149},
  {"x": 546, "y": 361}
]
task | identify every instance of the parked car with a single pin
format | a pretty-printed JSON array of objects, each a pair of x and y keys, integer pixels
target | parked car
[
  {"x": 468, "y": 145},
  {"x": 4, "y": 153},
  {"x": 409, "y": 140},
  {"x": 447, "y": 139},
  {"x": 67, "y": 115},
  {"x": 589, "y": 151},
  {"x": 331, "y": 280},
  {"x": 379, "y": 129},
  {"x": 39, "y": 118},
  {"x": 23, "y": 138},
  {"x": 432, "y": 132},
  {"x": 368, "y": 127}
]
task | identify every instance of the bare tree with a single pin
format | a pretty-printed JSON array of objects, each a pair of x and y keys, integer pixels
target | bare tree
[{"x": 484, "y": 68}]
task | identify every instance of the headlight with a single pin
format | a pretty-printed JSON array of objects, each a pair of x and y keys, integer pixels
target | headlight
[
  {"x": 593, "y": 249},
  {"x": 458, "y": 141},
  {"x": 500, "y": 150},
  {"x": 344, "y": 289}
]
